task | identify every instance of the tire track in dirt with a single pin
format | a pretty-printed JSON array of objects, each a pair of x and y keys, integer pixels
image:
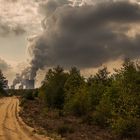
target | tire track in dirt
[
  {"x": 3, "y": 116},
  {"x": 13, "y": 122},
  {"x": 8, "y": 126},
  {"x": 13, "y": 131},
  {"x": 11, "y": 125},
  {"x": 20, "y": 134},
  {"x": 2, "y": 101},
  {"x": 23, "y": 134}
]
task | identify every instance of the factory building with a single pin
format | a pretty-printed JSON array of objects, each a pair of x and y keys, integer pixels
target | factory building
[{"x": 25, "y": 84}]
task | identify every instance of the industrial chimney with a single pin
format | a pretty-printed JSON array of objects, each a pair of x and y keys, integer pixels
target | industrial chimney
[{"x": 29, "y": 84}]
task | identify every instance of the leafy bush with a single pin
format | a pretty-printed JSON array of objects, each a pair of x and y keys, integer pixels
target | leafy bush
[
  {"x": 35, "y": 93},
  {"x": 126, "y": 127},
  {"x": 22, "y": 102},
  {"x": 28, "y": 95},
  {"x": 62, "y": 130},
  {"x": 103, "y": 112},
  {"x": 79, "y": 103}
]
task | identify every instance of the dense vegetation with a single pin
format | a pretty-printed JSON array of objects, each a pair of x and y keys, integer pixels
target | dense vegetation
[
  {"x": 109, "y": 100},
  {"x": 3, "y": 84}
]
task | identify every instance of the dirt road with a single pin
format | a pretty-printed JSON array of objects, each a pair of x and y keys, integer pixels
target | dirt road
[{"x": 11, "y": 127}]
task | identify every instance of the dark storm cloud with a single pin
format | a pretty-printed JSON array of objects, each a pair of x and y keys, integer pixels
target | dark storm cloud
[
  {"x": 86, "y": 36},
  {"x": 3, "y": 65}
]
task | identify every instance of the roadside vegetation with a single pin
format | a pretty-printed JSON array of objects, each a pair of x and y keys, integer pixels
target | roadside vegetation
[
  {"x": 3, "y": 85},
  {"x": 104, "y": 106}
]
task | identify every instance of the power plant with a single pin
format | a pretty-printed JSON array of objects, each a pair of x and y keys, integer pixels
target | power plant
[
  {"x": 29, "y": 84},
  {"x": 23, "y": 83}
]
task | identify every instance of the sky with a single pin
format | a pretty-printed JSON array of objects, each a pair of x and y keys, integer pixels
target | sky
[
  {"x": 19, "y": 19},
  {"x": 31, "y": 31}
]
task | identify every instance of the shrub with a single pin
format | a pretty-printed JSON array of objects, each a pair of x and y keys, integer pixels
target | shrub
[
  {"x": 28, "y": 95},
  {"x": 35, "y": 93},
  {"x": 22, "y": 102},
  {"x": 126, "y": 127},
  {"x": 79, "y": 103},
  {"x": 103, "y": 112},
  {"x": 62, "y": 130}
]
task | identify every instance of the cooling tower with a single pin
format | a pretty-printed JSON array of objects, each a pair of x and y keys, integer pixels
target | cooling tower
[{"x": 29, "y": 84}]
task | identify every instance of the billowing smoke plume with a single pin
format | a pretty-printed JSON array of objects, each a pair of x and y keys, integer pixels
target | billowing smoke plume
[
  {"x": 24, "y": 80},
  {"x": 85, "y": 36}
]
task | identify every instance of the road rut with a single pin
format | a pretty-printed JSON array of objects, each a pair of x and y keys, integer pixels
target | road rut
[{"x": 11, "y": 126}]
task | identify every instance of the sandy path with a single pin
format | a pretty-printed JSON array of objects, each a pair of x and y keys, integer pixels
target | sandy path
[{"x": 11, "y": 127}]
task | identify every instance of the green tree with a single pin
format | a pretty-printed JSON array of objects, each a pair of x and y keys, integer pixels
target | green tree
[
  {"x": 72, "y": 87},
  {"x": 73, "y": 83},
  {"x": 79, "y": 103},
  {"x": 128, "y": 83},
  {"x": 52, "y": 90},
  {"x": 119, "y": 106},
  {"x": 102, "y": 76},
  {"x": 3, "y": 83},
  {"x": 98, "y": 85}
]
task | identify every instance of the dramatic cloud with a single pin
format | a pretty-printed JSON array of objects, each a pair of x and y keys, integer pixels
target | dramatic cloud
[
  {"x": 47, "y": 8},
  {"x": 86, "y": 36},
  {"x": 3, "y": 65},
  {"x": 18, "y": 20}
]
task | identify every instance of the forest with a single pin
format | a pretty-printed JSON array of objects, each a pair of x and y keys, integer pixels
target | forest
[{"x": 108, "y": 100}]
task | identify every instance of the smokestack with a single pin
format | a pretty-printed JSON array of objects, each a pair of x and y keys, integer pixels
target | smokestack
[
  {"x": 12, "y": 87},
  {"x": 21, "y": 87},
  {"x": 29, "y": 84},
  {"x": 25, "y": 80}
]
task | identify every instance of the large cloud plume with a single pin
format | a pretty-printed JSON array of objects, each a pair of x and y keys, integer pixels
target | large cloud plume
[{"x": 86, "y": 36}]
